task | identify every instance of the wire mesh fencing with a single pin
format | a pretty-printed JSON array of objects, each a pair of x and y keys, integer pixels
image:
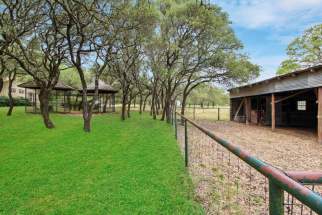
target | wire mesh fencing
[
  {"x": 210, "y": 113},
  {"x": 226, "y": 184},
  {"x": 294, "y": 206}
]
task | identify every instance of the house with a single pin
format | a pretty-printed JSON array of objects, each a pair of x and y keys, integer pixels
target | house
[
  {"x": 290, "y": 100},
  {"x": 16, "y": 90}
]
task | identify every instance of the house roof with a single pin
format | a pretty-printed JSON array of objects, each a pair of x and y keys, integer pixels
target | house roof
[{"x": 33, "y": 85}]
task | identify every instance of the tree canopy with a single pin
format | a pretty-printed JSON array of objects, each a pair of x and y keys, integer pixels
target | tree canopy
[
  {"x": 303, "y": 51},
  {"x": 156, "y": 52}
]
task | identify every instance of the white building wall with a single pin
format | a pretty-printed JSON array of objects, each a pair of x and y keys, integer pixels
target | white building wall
[{"x": 16, "y": 91}]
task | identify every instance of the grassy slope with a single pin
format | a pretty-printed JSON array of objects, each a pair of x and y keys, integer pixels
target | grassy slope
[{"x": 131, "y": 167}]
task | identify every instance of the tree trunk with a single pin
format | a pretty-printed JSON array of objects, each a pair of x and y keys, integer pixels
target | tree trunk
[
  {"x": 168, "y": 112},
  {"x": 87, "y": 116},
  {"x": 141, "y": 103},
  {"x": 154, "y": 111},
  {"x": 1, "y": 84},
  {"x": 161, "y": 100},
  {"x": 152, "y": 105},
  {"x": 44, "y": 107},
  {"x": 144, "y": 103},
  {"x": 163, "y": 114},
  {"x": 11, "y": 102},
  {"x": 157, "y": 105},
  {"x": 86, "y": 113},
  {"x": 134, "y": 101},
  {"x": 166, "y": 109},
  {"x": 124, "y": 98},
  {"x": 129, "y": 108},
  {"x": 183, "y": 105}
]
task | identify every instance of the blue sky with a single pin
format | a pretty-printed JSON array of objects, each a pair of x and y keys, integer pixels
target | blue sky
[{"x": 267, "y": 27}]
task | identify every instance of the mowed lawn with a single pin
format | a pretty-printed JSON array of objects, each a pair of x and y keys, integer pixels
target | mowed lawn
[{"x": 131, "y": 167}]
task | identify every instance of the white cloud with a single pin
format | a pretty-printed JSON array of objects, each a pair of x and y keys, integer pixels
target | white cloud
[
  {"x": 274, "y": 13},
  {"x": 293, "y": 5},
  {"x": 275, "y": 23}
]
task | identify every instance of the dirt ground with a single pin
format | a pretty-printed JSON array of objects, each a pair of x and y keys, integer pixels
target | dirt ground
[
  {"x": 288, "y": 149},
  {"x": 226, "y": 185}
]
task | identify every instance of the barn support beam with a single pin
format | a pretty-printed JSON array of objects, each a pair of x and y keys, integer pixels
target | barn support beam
[
  {"x": 273, "y": 112},
  {"x": 291, "y": 96},
  {"x": 238, "y": 109},
  {"x": 319, "y": 117}
]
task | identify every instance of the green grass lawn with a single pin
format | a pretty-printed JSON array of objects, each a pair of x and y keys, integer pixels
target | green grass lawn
[{"x": 131, "y": 167}]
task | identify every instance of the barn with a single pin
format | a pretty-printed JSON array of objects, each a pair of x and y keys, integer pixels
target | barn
[{"x": 291, "y": 100}]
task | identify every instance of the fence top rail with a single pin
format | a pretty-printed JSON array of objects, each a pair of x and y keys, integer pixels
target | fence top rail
[
  {"x": 302, "y": 193},
  {"x": 306, "y": 177}
]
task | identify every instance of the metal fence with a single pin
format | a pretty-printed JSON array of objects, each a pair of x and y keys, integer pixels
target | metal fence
[
  {"x": 210, "y": 113},
  {"x": 229, "y": 180}
]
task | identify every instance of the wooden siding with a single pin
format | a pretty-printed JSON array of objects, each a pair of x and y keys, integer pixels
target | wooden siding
[{"x": 295, "y": 82}]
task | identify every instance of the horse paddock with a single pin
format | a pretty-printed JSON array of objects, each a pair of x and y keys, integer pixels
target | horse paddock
[{"x": 286, "y": 148}]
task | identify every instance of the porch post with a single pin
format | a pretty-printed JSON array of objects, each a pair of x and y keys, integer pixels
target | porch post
[
  {"x": 319, "y": 117},
  {"x": 273, "y": 112},
  {"x": 247, "y": 109}
]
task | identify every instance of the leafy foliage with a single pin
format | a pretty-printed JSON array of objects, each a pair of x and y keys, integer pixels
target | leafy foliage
[
  {"x": 207, "y": 94},
  {"x": 156, "y": 51},
  {"x": 304, "y": 51}
]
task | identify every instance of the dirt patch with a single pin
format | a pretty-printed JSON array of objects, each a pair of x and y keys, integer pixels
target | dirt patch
[
  {"x": 288, "y": 149},
  {"x": 226, "y": 185}
]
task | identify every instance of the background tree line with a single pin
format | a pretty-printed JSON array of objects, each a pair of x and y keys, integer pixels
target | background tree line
[{"x": 153, "y": 51}]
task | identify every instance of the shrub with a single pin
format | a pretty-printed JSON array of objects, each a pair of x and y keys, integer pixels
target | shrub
[
  {"x": 20, "y": 101},
  {"x": 4, "y": 101}
]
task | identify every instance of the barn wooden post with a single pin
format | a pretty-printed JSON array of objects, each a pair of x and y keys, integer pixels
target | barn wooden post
[
  {"x": 247, "y": 109},
  {"x": 273, "y": 112},
  {"x": 319, "y": 98}
]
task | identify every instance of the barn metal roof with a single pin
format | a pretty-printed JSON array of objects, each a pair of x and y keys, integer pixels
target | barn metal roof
[{"x": 300, "y": 79}]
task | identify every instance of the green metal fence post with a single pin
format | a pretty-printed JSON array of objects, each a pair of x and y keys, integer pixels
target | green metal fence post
[
  {"x": 276, "y": 199},
  {"x": 186, "y": 143}
]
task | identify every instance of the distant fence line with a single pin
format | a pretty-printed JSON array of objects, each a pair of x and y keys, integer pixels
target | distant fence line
[
  {"x": 196, "y": 112},
  {"x": 212, "y": 113},
  {"x": 229, "y": 180}
]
